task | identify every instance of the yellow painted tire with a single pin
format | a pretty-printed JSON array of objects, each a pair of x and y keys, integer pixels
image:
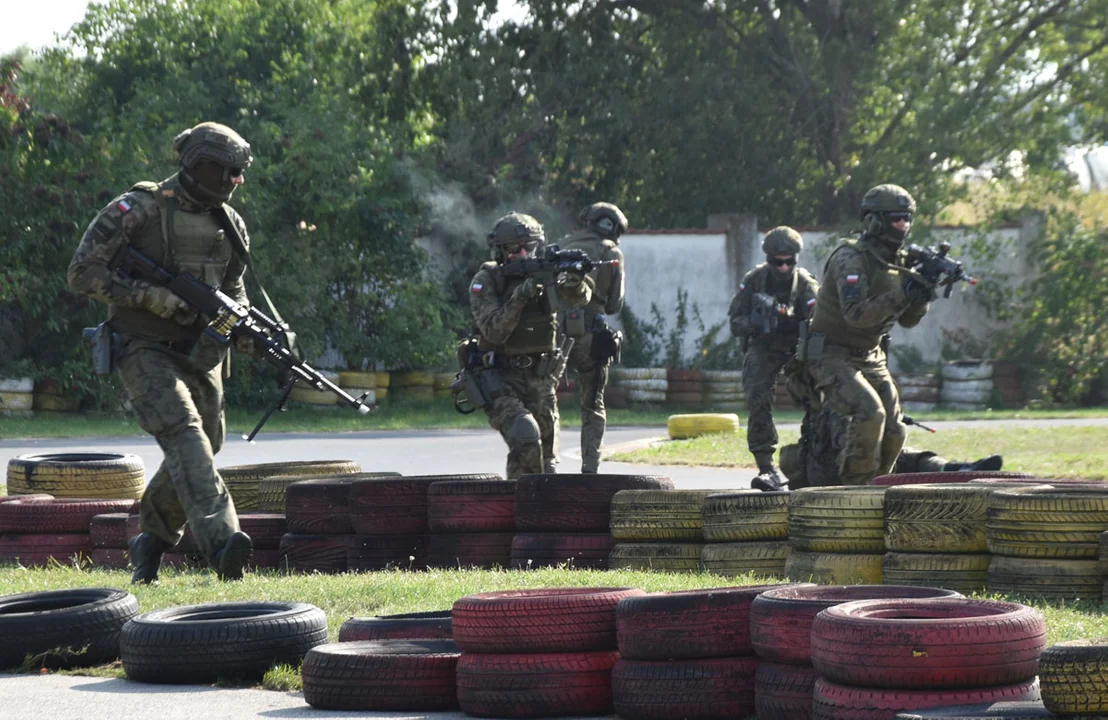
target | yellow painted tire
[
  {"x": 16, "y": 402},
  {"x": 382, "y": 393},
  {"x": 834, "y": 568},
  {"x": 349, "y": 378},
  {"x": 53, "y": 402},
  {"x": 78, "y": 475},
  {"x": 443, "y": 381},
  {"x": 357, "y": 392},
  {"x": 966, "y": 573},
  {"x": 416, "y": 378},
  {"x": 1045, "y": 578},
  {"x": 667, "y": 557},
  {"x": 697, "y": 424},
  {"x": 383, "y": 379},
  {"x": 244, "y": 481},
  {"x": 658, "y": 515},
  {"x": 762, "y": 559},
  {"x": 419, "y": 393},
  {"x": 838, "y": 519},
  {"x": 746, "y": 516}
]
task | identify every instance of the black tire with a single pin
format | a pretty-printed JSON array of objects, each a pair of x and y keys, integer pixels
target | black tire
[
  {"x": 202, "y": 643},
  {"x": 700, "y": 689},
  {"x": 109, "y": 530},
  {"x": 67, "y": 628},
  {"x": 434, "y": 625},
  {"x": 477, "y": 506},
  {"x": 412, "y": 675}
]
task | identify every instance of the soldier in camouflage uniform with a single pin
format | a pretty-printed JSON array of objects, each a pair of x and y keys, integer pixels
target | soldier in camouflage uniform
[
  {"x": 866, "y": 290},
  {"x": 173, "y": 377},
  {"x": 793, "y": 290},
  {"x": 601, "y": 226},
  {"x": 518, "y": 328}
]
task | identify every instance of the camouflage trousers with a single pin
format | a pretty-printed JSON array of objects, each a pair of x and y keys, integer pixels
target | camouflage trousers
[
  {"x": 591, "y": 382},
  {"x": 911, "y": 460},
  {"x": 761, "y": 366},
  {"x": 859, "y": 388},
  {"x": 183, "y": 409},
  {"x": 526, "y": 416}
]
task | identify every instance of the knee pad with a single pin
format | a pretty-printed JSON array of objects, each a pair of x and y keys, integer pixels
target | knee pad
[{"x": 524, "y": 431}]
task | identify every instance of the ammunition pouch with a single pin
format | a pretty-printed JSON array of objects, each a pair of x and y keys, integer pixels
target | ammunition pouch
[{"x": 573, "y": 322}]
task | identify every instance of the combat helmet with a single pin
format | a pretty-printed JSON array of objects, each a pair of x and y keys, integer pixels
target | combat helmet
[
  {"x": 782, "y": 240},
  {"x": 216, "y": 143},
  {"x": 515, "y": 229},
  {"x": 878, "y": 203},
  {"x": 604, "y": 219}
]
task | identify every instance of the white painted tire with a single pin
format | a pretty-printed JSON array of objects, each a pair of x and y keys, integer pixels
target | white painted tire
[
  {"x": 963, "y": 406},
  {"x": 967, "y": 370},
  {"x": 652, "y": 385},
  {"x": 723, "y": 376},
  {"x": 17, "y": 385},
  {"x": 968, "y": 386},
  {"x": 959, "y": 395},
  {"x": 917, "y": 381},
  {"x": 920, "y": 394},
  {"x": 646, "y": 396},
  {"x": 622, "y": 373},
  {"x": 723, "y": 388},
  {"x": 16, "y": 402}
]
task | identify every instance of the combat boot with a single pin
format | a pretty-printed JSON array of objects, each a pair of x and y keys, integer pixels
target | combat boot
[
  {"x": 768, "y": 480},
  {"x": 146, "y": 557},
  {"x": 991, "y": 463},
  {"x": 230, "y": 560}
]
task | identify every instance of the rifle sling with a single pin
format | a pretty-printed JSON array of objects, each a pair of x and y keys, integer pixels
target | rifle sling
[{"x": 232, "y": 232}]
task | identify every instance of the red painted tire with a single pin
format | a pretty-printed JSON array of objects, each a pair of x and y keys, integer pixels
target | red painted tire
[
  {"x": 109, "y": 530},
  {"x": 395, "y": 506},
  {"x": 38, "y": 550},
  {"x": 319, "y": 507},
  {"x": 839, "y": 702},
  {"x": 36, "y": 497},
  {"x": 781, "y": 620},
  {"x": 574, "y": 503},
  {"x": 380, "y": 552},
  {"x": 938, "y": 643},
  {"x": 580, "y": 550},
  {"x": 109, "y": 558},
  {"x": 435, "y": 625},
  {"x": 474, "y": 549},
  {"x": 264, "y": 529},
  {"x": 477, "y": 506},
  {"x": 700, "y": 689},
  {"x": 545, "y": 620},
  {"x": 69, "y": 515},
  {"x": 784, "y": 692},
  {"x": 958, "y": 476},
  {"x": 311, "y": 553},
  {"x": 714, "y": 622},
  {"x": 409, "y": 675},
  {"x": 265, "y": 559},
  {"x": 536, "y": 686}
]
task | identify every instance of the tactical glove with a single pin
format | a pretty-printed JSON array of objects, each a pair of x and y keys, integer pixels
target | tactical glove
[
  {"x": 166, "y": 304},
  {"x": 570, "y": 280},
  {"x": 917, "y": 291},
  {"x": 529, "y": 289}
]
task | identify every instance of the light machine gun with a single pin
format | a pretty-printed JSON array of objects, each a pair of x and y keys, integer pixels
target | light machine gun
[
  {"x": 228, "y": 319},
  {"x": 936, "y": 267}
]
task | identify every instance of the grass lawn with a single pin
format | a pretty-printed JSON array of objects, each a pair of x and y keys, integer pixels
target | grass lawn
[
  {"x": 1048, "y": 452},
  {"x": 362, "y": 594}
]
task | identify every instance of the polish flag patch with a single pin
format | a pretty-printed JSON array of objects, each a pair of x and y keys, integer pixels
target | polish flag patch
[
  {"x": 123, "y": 206},
  {"x": 742, "y": 287},
  {"x": 852, "y": 279},
  {"x": 476, "y": 287},
  {"x": 811, "y": 302}
]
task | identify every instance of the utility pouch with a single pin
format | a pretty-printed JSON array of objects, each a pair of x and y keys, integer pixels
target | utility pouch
[
  {"x": 105, "y": 347},
  {"x": 572, "y": 322},
  {"x": 814, "y": 347},
  {"x": 607, "y": 344},
  {"x": 802, "y": 342}
]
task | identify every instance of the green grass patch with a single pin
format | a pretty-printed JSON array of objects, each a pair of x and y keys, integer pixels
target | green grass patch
[
  {"x": 397, "y": 591},
  {"x": 1065, "y": 451}
]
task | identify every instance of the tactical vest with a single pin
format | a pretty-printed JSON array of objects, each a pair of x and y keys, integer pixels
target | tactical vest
[
  {"x": 182, "y": 241},
  {"x": 882, "y": 277},
  {"x": 784, "y": 337},
  {"x": 537, "y": 327}
]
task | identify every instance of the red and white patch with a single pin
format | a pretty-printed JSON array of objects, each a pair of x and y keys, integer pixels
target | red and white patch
[
  {"x": 742, "y": 287},
  {"x": 851, "y": 279},
  {"x": 123, "y": 206},
  {"x": 811, "y": 302},
  {"x": 476, "y": 287}
]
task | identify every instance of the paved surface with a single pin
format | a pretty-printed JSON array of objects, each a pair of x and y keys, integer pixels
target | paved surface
[{"x": 60, "y": 697}]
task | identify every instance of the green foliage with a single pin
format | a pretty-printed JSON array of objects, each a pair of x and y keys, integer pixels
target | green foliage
[
  {"x": 642, "y": 345},
  {"x": 649, "y": 344},
  {"x": 1059, "y": 317}
]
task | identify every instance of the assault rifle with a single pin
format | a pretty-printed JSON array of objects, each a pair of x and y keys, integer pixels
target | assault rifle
[
  {"x": 767, "y": 311},
  {"x": 936, "y": 267},
  {"x": 228, "y": 319},
  {"x": 552, "y": 262}
]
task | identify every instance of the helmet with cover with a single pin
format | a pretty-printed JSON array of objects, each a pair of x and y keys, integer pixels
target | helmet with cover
[
  {"x": 209, "y": 144},
  {"x": 881, "y": 206},
  {"x": 515, "y": 231},
  {"x": 604, "y": 219}
]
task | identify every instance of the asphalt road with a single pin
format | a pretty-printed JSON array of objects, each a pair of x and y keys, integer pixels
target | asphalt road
[{"x": 62, "y": 697}]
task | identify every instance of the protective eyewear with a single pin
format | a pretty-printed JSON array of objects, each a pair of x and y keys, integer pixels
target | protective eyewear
[
  {"x": 790, "y": 261},
  {"x": 517, "y": 249},
  {"x": 898, "y": 216}
]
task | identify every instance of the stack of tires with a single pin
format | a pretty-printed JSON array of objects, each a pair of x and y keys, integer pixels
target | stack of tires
[
  {"x": 37, "y": 530},
  {"x": 1008, "y": 384},
  {"x": 837, "y": 535},
  {"x": 384, "y": 379},
  {"x": 686, "y": 655},
  {"x": 723, "y": 390},
  {"x": 566, "y": 519},
  {"x": 318, "y": 517},
  {"x": 357, "y": 384},
  {"x": 17, "y": 397},
  {"x": 967, "y": 385},
  {"x": 657, "y": 530},
  {"x": 309, "y": 396},
  {"x": 936, "y": 535},
  {"x": 537, "y": 653},
  {"x": 472, "y": 523},
  {"x": 443, "y": 381},
  {"x": 106, "y": 476},
  {"x": 109, "y": 535},
  {"x": 1045, "y": 541},
  {"x": 684, "y": 388},
  {"x": 49, "y": 399},
  {"x": 244, "y": 482},
  {"x": 876, "y": 658},
  {"x": 746, "y": 531},
  {"x": 918, "y": 393},
  {"x": 414, "y": 386},
  {"x": 643, "y": 385},
  {"x": 780, "y": 635}
]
